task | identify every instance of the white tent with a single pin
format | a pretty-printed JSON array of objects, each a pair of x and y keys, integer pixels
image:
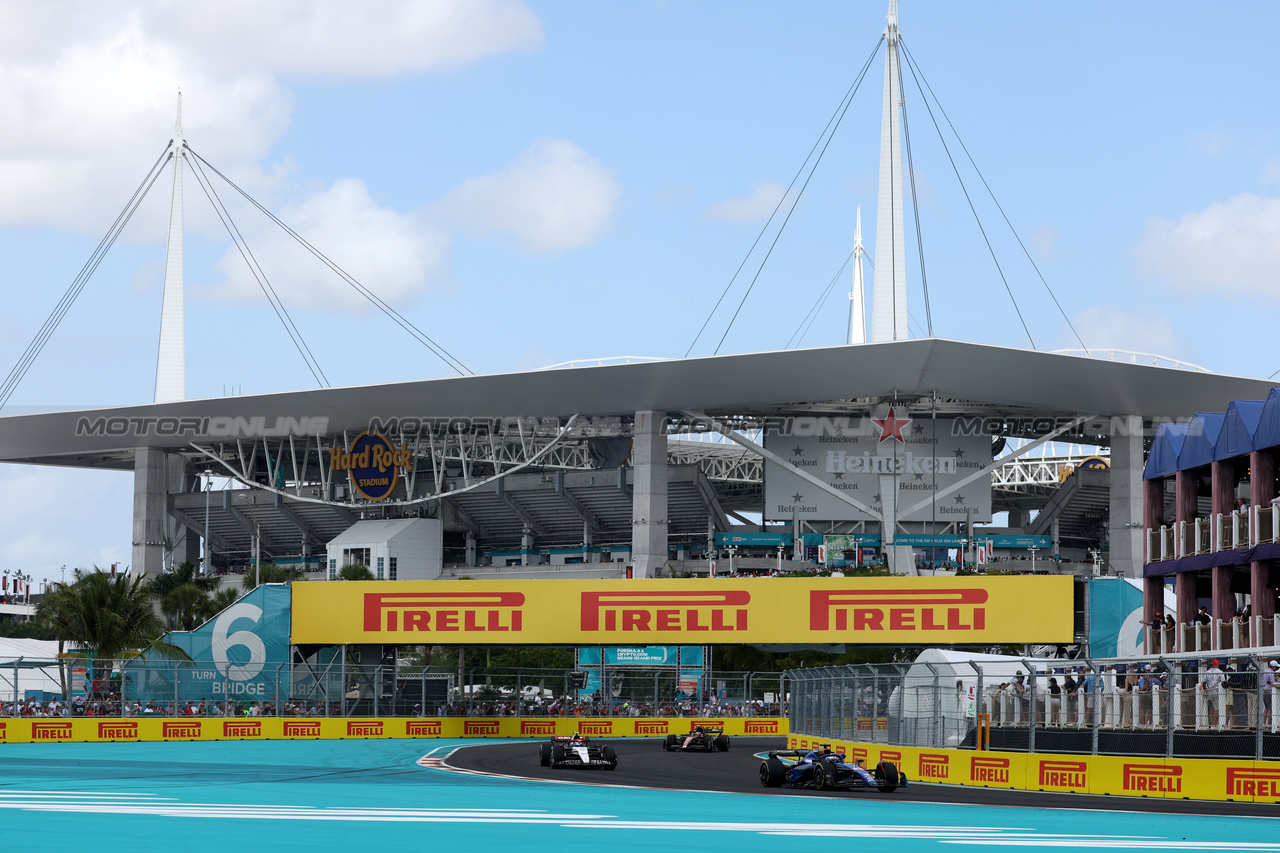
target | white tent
[
  {"x": 25, "y": 651},
  {"x": 935, "y": 689}
]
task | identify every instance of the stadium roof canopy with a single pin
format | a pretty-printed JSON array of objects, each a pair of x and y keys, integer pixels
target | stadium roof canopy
[{"x": 971, "y": 377}]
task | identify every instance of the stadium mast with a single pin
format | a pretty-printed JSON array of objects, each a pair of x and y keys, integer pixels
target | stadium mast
[
  {"x": 171, "y": 364},
  {"x": 889, "y": 297},
  {"x": 857, "y": 299}
]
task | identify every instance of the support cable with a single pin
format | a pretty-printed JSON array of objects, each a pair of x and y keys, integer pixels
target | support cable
[
  {"x": 807, "y": 322},
  {"x": 915, "y": 204},
  {"x": 259, "y": 276},
  {"x": 796, "y": 201},
  {"x": 972, "y": 209},
  {"x": 1000, "y": 207},
  {"x": 33, "y": 350},
  {"x": 396, "y": 317},
  {"x": 839, "y": 112}
]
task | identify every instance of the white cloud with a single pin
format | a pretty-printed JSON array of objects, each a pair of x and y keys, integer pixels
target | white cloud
[
  {"x": 554, "y": 197},
  {"x": 1108, "y": 326},
  {"x": 758, "y": 205},
  {"x": 1229, "y": 247},
  {"x": 87, "y": 89},
  {"x": 1042, "y": 241},
  {"x": 392, "y": 254},
  {"x": 38, "y": 503}
]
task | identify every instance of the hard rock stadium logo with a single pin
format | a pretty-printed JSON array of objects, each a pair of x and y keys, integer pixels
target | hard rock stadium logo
[
  {"x": 649, "y": 612},
  {"x": 241, "y": 729},
  {"x": 1251, "y": 782},
  {"x": 897, "y": 610},
  {"x": 983, "y": 769},
  {"x": 51, "y": 731},
  {"x": 423, "y": 728},
  {"x": 599, "y": 728},
  {"x": 441, "y": 612},
  {"x": 933, "y": 765},
  {"x": 480, "y": 728},
  {"x": 1064, "y": 774},
  {"x": 372, "y": 463},
  {"x": 180, "y": 730},
  {"x": 760, "y": 727},
  {"x": 538, "y": 727},
  {"x": 307, "y": 728},
  {"x": 120, "y": 730},
  {"x": 364, "y": 728},
  {"x": 1152, "y": 778},
  {"x": 651, "y": 727}
]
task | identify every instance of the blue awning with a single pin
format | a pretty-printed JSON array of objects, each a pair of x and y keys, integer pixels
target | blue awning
[
  {"x": 1236, "y": 438},
  {"x": 1202, "y": 435},
  {"x": 1267, "y": 432},
  {"x": 1162, "y": 460}
]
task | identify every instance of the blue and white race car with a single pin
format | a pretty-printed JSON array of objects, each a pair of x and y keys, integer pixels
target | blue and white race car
[{"x": 826, "y": 770}]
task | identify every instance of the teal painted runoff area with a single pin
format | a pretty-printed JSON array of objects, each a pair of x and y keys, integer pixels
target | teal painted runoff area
[{"x": 373, "y": 795}]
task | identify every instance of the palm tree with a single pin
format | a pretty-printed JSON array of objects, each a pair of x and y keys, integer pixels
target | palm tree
[
  {"x": 110, "y": 618},
  {"x": 184, "y": 595},
  {"x": 271, "y": 573},
  {"x": 355, "y": 572}
]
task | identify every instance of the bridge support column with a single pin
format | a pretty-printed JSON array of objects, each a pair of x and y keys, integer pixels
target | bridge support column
[
  {"x": 1126, "y": 496},
  {"x": 185, "y": 541},
  {"x": 471, "y": 549},
  {"x": 649, "y": 495},
  {"x": 150, "y": 511}
]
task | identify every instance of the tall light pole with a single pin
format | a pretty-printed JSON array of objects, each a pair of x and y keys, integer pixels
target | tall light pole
[{"x": 206, "y": 563}]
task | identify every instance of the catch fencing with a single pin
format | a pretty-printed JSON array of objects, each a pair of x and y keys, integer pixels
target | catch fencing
[
  {"x": 339, "y": 687},
  {"x": 1191, "y": 706}
]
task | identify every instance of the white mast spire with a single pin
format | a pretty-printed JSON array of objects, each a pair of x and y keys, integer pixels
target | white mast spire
[
  {"x": 857, "y": 299},
  {"x": 171, "y": 365},
  {"x": 889, "y": 297}
]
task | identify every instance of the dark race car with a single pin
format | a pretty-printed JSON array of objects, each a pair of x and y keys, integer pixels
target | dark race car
[
  {"x": 700, "y": 739},
  {"x": 826, "y": 770},
  {"x": 577, "y": 751}
]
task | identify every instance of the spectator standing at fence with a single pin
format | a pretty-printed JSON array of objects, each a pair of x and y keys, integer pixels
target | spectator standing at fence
[
  {"x": 1203, "y": 617},
  {"x": 1268, "y": 685},
  {"x": 1053, "y": 705},
  {"x": 1212, "y": 679}
]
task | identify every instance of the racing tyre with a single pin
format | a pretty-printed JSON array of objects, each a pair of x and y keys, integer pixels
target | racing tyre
[
  {"x": 823, "y": 776},
  {"x": 557, "y": 754},
  {"x": 887, "y": 772},
  {"x": 544, "y": 755},
  {"x": 772, "y": 773},
  {"x": 722, "y": 743},
  {"x": 670, "y": 743},
  {"x": 610, "y": 755}
]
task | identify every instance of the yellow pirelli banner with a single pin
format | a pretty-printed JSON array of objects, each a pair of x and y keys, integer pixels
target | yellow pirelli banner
[
  {"x": 104, "y": 729},
  {"x": 913, "y": 611},
  {"x": 1238, "y": 780}
]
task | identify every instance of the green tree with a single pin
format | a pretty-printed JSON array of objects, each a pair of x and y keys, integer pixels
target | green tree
[
  {"x": 184, "y": 595},
  {"x": 355, "y": 572},
  {"x": 110, "y": 618},
  {"x": 270, "y": 573}
]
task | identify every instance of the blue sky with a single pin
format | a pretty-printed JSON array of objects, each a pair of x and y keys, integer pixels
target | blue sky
[{"x": 543, "y": 181}]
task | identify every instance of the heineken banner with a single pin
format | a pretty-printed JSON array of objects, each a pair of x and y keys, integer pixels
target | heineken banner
[{"x": 860, "y": 457}]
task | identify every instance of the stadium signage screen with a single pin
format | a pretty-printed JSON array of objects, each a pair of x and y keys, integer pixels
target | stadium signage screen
[
  {"x": 372, "y": 463},
  {"x": 636, "y": 613}
]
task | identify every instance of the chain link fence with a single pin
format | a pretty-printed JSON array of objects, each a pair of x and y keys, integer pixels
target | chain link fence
[
  {"x": 1191, "y": 706},
  {"x": 339, "y": 687}
]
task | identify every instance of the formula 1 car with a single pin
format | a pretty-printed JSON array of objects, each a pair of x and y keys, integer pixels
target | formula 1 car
[
  {"x": 577, "y": 751},
  {"x": 699, "y": 740},
  {"x": 826, "y": 770}
]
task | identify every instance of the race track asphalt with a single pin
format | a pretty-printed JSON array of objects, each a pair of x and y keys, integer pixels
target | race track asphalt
[{"x": 643, "y": 763}]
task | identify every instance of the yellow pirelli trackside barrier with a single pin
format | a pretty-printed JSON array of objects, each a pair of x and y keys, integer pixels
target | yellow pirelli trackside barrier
[
  {"x": 105, "y": 729},
  {"x": 884, "y": 611},
  {"x": 1231, "y": 780}
]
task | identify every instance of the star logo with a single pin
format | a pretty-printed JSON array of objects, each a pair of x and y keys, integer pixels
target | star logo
[
  {"x": 839, "y": 475},
  {"x": 891, "y": 426},
  {"x": 919, "y": 476},
  {"x": 875, "y": 499},
  {"x": 958, "y": 453},
  {"x": 797, "y": 451},
  {"x": 959, "y": 499},
  {"x": 797, "y": 498},
  {"x": 918, "y": 429}
]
